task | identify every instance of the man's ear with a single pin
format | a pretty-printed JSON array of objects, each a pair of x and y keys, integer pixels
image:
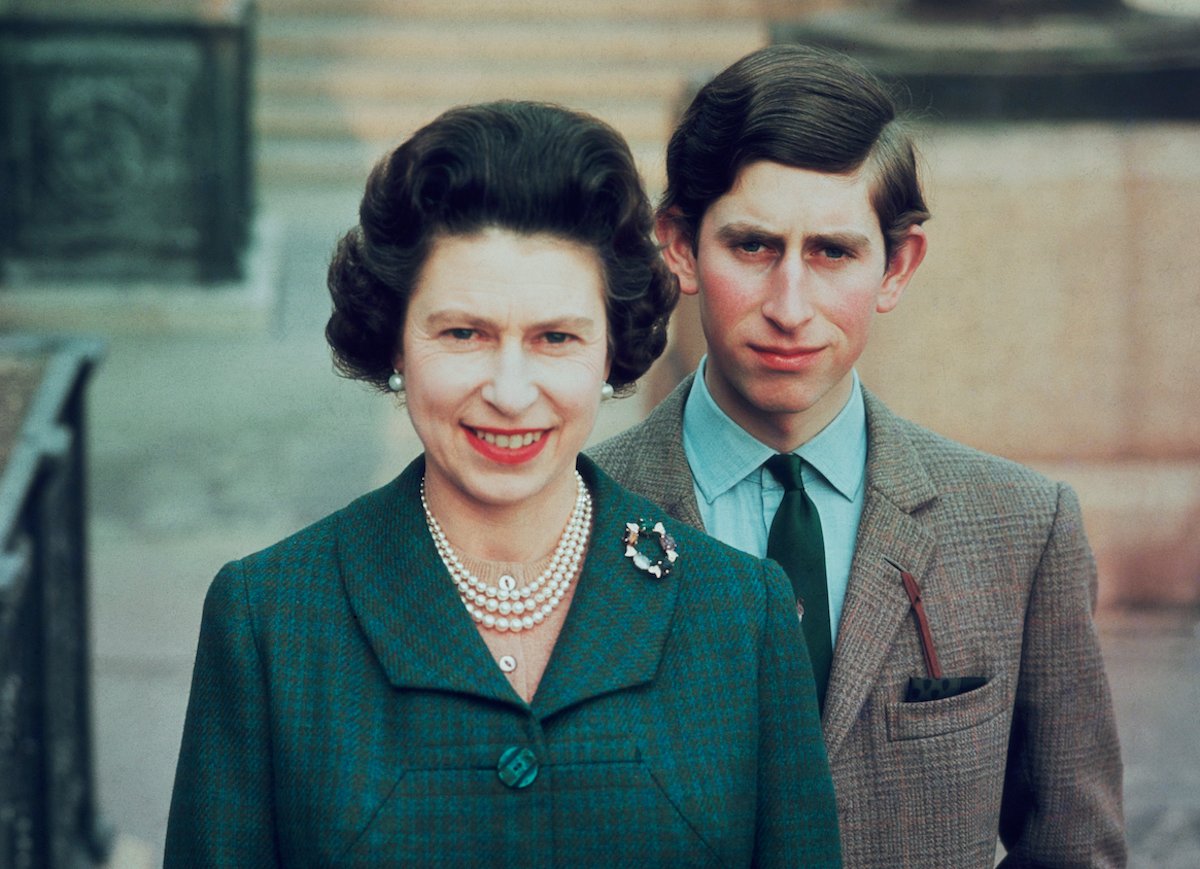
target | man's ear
[
  {"x": 901, "y": 267},
  {"x": 677, "y": 251}
]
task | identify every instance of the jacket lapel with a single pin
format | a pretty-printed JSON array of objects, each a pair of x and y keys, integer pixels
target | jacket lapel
[
  {"x": 620, "y": 618},
  {"x": 876, "y": 604},
  {"x": 403, "y": 598},
  {"x": 656, "y": 466}
]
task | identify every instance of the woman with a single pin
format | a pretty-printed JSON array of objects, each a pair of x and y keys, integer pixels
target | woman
[{"x": 501, "y": 658}]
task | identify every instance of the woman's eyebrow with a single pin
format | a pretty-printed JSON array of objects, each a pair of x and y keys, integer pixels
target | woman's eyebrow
[
  {"x": 565, "y": 323},
  {"x": 465, "y": 317},
  {"x": 457, "y": 316}
]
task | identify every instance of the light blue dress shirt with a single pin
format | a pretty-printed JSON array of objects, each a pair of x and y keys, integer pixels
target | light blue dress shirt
[{"x": 738, "y": 497}]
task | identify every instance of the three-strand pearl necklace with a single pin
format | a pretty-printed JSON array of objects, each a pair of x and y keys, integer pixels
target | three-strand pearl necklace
[{"x": 504, "y": 607}]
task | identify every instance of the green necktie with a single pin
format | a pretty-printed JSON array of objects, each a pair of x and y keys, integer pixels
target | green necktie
[{"x": 796, "y": 542}]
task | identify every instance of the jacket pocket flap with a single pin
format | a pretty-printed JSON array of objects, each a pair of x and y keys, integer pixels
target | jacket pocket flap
[{"x": 948, "y": 715}]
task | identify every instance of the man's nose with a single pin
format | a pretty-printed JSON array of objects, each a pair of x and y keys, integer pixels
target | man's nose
[{"x": 788, "y": 303}]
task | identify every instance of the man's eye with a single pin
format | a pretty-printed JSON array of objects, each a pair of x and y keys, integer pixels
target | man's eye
[
  {"x": 461, "y": 334},
  {"x": 557, "y": 337},
  {"x": 836, "y": 253},
  {"x": 751, "y": 246}
]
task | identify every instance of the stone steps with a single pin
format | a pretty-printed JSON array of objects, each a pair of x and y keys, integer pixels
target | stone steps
[
  {"x": 392, "y": 120},
  {"x": 335, "y": 91},
  {"x": 345, "y": 160},
  {"x": 530, "y": 10},
  {"x": 610, "y": 41},
  {"x": 487, "y": 79}
]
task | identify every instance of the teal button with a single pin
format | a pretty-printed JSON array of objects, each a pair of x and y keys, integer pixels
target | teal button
[{"x": 518, "y": 767}]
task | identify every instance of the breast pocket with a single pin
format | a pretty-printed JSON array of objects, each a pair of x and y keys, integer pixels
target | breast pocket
[
  {"x": 950, "y": 715},
  {"x": 943, "y": 759}
]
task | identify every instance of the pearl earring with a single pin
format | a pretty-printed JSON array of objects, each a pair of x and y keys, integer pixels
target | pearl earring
[
  {"x": 606, "y": 391},
  {"x": 396, "y": 381}
]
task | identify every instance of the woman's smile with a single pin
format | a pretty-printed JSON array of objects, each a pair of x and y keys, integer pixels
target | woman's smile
[{"x": 507, "y": 447}]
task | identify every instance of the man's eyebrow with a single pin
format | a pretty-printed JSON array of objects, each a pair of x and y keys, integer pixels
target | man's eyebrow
[
  {"x": 847, "y": 239},
  {"x": 742, "y": 230}
]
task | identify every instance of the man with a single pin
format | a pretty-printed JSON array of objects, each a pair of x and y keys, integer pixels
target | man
[{"x": 965, "y": 698}]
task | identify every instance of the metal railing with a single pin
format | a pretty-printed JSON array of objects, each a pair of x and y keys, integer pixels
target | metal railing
[{"x": 48, "y": 813}]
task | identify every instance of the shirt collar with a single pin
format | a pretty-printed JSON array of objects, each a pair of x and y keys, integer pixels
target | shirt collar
[
  {"x": 839, "y": 451},
  {"x": 722, "y": 453}
]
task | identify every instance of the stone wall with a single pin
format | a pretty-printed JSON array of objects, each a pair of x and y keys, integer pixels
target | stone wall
[{"x": 1054, "y": 321}]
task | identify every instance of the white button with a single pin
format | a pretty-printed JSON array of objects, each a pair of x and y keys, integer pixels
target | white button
[
  {"x": 508, "y": 663},
  {"x": 507, "y": 583}
]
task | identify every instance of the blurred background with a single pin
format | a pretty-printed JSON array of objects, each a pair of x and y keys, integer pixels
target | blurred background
[{"x": 175, "y": 174}]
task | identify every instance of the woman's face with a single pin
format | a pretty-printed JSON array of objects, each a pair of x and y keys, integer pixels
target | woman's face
[{"x": 504, "y": 351}]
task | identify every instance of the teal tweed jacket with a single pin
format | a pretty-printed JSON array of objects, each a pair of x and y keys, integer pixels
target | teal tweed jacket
[
  {"x": 346, "y": 712},
  {"x": 1009, "y": 584}
]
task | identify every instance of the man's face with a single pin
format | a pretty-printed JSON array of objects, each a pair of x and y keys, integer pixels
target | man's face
[{"x": 790, "y": 268}]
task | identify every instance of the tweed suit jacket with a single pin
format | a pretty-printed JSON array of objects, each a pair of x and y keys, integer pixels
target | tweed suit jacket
[
  {"x": 1009, "y": 585},
  {"x": 345, "y": 711}
]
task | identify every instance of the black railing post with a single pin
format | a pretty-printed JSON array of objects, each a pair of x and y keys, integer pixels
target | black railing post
[{"x": 48, "y": 810}]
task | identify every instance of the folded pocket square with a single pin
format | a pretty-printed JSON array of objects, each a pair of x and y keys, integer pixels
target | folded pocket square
[{"x": 921, "y": 689}]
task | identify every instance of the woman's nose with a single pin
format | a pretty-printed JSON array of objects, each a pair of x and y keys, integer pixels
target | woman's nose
[{"x": 511, "y": 388}]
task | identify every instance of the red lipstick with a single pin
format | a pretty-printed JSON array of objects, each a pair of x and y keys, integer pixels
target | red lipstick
[{"x": 507, "y": 455}]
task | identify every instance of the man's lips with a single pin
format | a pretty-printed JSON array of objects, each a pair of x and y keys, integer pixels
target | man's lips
[
  {"x": 786, "y": 358},
  {"x": 507, "y": 446}
]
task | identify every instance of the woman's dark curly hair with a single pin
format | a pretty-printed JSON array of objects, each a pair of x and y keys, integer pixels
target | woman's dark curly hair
[{"x": 521, "y": 166}]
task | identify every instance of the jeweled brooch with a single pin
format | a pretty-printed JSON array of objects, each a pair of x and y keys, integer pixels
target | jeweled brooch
[{"x": 658, "y": 566}]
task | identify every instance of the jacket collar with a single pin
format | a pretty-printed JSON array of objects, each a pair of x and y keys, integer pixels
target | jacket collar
[
  {"x": 613, "y": 637},
  {"x": 661, "y": 436},
  {"x": 402, "y": 596},
  {"x": 890, "y": 532},
  {"x": 616, "y": 632},
  {"x": 895, "y": 470}
]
